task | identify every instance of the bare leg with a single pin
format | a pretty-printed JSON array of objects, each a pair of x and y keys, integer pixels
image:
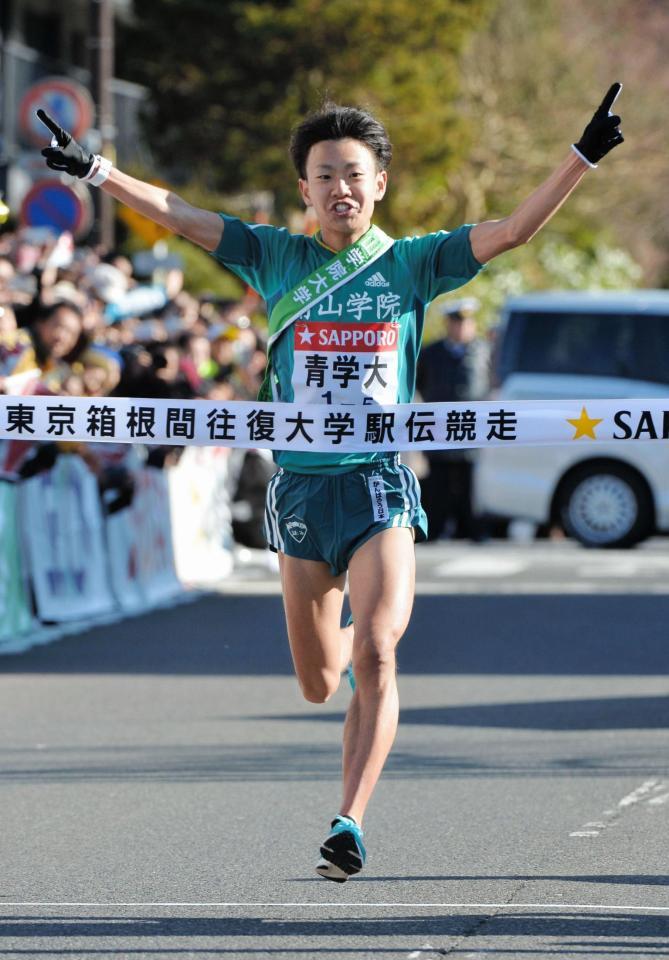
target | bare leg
[
  {"x": 321, "y": 649},
  {"x": 382, "y": 578}
]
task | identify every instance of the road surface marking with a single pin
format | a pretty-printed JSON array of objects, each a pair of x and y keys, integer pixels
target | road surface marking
[
  {"x": 640, "y": 793},
  {"x": 426, "y": 948},
  {"x": 224, "y": 904},
  {"x": 648, "y": 791},
  {"x": 481, "y": 567}
]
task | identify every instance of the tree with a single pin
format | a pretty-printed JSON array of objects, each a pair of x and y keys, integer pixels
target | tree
[
  {"x": 530, "y": 81},
  {"x": 230, "y": 79}
]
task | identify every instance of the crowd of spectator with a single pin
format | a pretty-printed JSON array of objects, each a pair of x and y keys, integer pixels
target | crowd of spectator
[
  {"x": 84, "y": 321},
  {"x": 94, "y": 326}
]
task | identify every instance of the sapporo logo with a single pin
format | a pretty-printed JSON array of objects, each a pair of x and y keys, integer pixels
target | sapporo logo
[{"x": 296, "y": 528}]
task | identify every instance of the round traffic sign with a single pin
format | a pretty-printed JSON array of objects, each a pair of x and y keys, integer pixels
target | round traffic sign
[
  {"x": 67, "y": 101},
  {"x": 50, "y": 203}
]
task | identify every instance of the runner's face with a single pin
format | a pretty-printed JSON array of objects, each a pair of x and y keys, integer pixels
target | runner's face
[{"x": 342, "y": 186}]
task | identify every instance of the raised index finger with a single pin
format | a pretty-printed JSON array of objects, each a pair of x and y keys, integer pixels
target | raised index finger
[
  {"x": 57, "y": 131},
  {"x": 610, "y": 98}
]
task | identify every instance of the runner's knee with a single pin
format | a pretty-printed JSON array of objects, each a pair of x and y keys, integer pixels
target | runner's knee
[
  {"x": 374, "y": 658},
  {"x": 319, "y": 687}
]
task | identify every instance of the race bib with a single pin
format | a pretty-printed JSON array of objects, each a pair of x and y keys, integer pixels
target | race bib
[{"x": 348, "y": 363}]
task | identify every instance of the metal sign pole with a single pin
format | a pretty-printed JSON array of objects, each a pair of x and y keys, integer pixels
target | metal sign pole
[{"x": 101, "y": 44}]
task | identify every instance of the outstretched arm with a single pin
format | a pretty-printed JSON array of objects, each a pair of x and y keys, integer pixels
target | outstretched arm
[
  {"x": 492, "y": 237},
  {"x": 166, "y": 208},
  {"x": 169, "y": 209}
]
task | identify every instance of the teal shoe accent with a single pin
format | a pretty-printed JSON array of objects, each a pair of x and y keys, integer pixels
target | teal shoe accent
[
  {"x": 343, "y": 853},
  {"x": 349, "y": 669},
  {"x": 342, "y": 824}
]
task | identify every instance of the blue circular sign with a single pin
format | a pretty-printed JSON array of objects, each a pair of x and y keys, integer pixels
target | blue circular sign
[
  {"x": 67, "y": 101},
  {"x": 50, "y": 203}
]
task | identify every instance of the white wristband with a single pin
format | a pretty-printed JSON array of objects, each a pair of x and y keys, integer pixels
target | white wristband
[
  {"x": 593, "y": 166},
  {"x": 99, "y": 171}
]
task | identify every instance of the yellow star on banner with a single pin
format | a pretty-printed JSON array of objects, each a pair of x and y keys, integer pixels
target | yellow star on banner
[{"x": 585, "y": 425}]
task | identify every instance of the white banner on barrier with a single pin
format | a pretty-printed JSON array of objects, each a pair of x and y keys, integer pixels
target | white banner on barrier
[
  {"x": 123, "y": 551},
  {"x": 150, "y": 519},
  {"x": 139, "y": 538},
  {"x": 336, "y": 429},
  {"x": 15, "y": 613},
  {"x": 62, "y": 526},
  {"x": 201, "y": 517}
]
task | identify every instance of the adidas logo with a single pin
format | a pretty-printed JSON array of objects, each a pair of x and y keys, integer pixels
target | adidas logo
[{"x": 377, "y": 280}]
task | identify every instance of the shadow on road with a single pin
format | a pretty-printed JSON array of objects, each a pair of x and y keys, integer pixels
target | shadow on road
[
  {"x": 487, "y": 635},
  {"x": 296, "y": 761},
  {"x": 260, "y": 930},
  {"x": 601, "y": 713},
  {"x": 627, "y": 879}
]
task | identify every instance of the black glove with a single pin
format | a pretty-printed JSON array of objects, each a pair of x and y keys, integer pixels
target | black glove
[
  {"x": 602, "y": 133},
  {"x": 68, "y": 155}
]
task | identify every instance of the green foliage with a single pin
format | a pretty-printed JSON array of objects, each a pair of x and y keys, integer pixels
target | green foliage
[
  {"x": 547, "y": 263},
  {"x": 232, "y": 78},
  {"x": 530, "y": 80},
  {"x": 481, "y": 99}
]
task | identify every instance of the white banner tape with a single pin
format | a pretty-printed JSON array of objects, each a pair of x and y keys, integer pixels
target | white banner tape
[{"x": 337, "y": 429}]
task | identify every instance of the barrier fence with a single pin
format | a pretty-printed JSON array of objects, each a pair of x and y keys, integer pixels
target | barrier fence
[{"x": 65, "y": 559}]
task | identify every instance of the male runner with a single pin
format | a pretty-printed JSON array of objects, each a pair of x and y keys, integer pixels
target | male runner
[{"x": 346, "y": 312}]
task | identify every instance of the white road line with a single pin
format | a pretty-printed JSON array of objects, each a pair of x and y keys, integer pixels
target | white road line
[
  {"x": 426, "y": 948},
  {"x": 520, "y": 587},
  {"x": 427, "y": 585},
  {"x": 477, "y": 566},
  {"x": 602, "y": 569},
  {"x": 649, "y": 786},
  {"x": 328, "y": 904},
  {"x": 649, "y": 791}
]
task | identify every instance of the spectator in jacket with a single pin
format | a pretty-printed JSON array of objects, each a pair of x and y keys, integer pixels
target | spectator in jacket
[{"x": 453, "y": 369}]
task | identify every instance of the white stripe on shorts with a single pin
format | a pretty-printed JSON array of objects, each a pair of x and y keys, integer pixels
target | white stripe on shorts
[
  {"x": 271, "y": 514},
  {"x": 401, "y": 519},
  {"x": 413, "y": 490},
  {"x": 411, "y": 498},
  {"x": 282, "y": 545}
]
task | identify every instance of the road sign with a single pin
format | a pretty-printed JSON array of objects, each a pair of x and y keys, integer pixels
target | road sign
[
  {"x": 50, "y": 203},
  {"x": 67, "y": 101}
]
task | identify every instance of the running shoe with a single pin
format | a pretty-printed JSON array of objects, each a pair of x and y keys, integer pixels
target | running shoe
[{"x": 343, "y": 853}]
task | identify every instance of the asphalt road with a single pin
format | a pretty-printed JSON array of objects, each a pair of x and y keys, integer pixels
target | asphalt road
[{"x": 164, "y": 790}]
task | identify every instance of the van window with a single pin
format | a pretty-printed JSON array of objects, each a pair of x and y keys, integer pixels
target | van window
[{"x": 594, "y": 344}]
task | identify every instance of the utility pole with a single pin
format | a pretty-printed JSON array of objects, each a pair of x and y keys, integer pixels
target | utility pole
[{"x": 101, "y": 48}]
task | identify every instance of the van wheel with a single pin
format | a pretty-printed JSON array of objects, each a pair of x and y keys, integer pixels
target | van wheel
[{"x": 605, "y": 505}]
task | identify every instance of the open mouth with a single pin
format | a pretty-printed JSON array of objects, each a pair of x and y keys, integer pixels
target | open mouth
[{"x": 343, "y": 209}]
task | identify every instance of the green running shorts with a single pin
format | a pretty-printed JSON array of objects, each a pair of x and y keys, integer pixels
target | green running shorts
[{"x": 324, "y": 516}]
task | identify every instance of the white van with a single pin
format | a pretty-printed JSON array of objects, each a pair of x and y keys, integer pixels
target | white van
[{"x": 580, "y": 346}]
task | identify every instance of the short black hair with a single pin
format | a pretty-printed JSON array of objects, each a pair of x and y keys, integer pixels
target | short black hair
[
  {"x": 46, "y": 311},
  {"x": 334, "y": 122}
]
